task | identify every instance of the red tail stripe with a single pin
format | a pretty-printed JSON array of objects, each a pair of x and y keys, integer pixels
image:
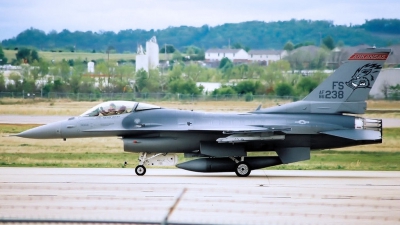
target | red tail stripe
[{"x": 369, "y": 56}]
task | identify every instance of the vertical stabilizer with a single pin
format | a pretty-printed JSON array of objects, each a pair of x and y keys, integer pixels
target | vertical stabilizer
[
  {"x": 353, "y": 80},
  {"x": 345, "y": 91}
]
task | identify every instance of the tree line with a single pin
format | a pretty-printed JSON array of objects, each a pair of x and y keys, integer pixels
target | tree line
[
  {"x": 247, "y": 35},
  {"x": 71, "y": 76},
  {"x": 40, "y": 75}
]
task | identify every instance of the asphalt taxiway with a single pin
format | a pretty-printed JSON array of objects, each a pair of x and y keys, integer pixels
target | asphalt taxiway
[{"x": 265, "y": 197}]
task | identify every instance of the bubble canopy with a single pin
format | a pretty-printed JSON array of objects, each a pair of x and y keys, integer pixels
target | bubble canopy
[{"x": 117, "y": 107}]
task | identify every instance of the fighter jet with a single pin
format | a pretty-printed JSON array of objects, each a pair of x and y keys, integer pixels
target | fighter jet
[{"x": 325, "y": 119}]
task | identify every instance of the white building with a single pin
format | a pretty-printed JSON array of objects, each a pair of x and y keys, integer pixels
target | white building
[
  {"x": 235, "y": 55},
  {"x": 266, "y": 56},
  {"x": 208, "y": 86},
  {"x": 152, "y": 51},
  {"x": 90, "y": 67},
  {"x": 148, "y": 59},
  {"x": 240, "y": 55},
  {"x": 142, "y": 60}
]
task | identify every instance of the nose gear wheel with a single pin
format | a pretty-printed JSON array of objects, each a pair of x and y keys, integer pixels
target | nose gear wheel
[{"x": 140, "y": 170}]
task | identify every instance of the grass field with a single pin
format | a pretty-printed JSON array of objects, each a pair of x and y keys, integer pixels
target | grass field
[
  {"x": 108, "y": 153},
  {"x": 58, "y": 56}
]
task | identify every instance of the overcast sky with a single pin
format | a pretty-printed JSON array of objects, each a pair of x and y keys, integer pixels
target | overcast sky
[{"x": 19, "y": 15}]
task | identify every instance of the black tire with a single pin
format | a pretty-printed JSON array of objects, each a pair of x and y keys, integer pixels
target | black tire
[
  {"x": 242, "y": 169},
  {"x": 140, "y": 170}
]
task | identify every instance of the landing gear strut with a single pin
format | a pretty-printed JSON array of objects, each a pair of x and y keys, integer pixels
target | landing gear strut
[{"x": 242, "y": 168}]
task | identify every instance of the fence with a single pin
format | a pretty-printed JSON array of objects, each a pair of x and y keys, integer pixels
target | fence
[{"x": 143, "y": 96}]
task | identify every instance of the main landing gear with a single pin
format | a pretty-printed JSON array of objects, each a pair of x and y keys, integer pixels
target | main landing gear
[{"x": 242, "y": 168}]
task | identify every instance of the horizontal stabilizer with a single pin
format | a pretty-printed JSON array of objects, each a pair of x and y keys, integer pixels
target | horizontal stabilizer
[{"x": 357, "y": 135}]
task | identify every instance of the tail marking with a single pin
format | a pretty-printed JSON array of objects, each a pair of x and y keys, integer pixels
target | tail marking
[
  {"x": 369, "y": 56},
  {"x": 363, "y": 76}
]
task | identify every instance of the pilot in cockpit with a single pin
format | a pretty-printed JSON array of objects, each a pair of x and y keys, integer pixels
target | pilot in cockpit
[
  {"x": 122, "y": 109},
  {"x": 112, "y": 109}
]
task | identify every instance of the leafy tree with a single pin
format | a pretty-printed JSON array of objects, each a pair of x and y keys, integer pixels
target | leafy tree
[
  {"x": 225, "y": 64},
  {"x": 175, "y": 73},
  {"x": 23, "y": 55},
  {"x": 153, "y": 83},
  {"x": 16, "y": 84},
  {"x": 284, "y": 89},
  {"x": 289, "y": 46},
  {"x": 274, "y": 73},
  {"x": 27, "y": 55},
  {"x": 318, "y": 62},
  {"x": 254, "y": 34},
  {"x": 177, "y": 55},
  {"x": 389, "y": 26},
  {"x": 306, "y": 85},
  {"x": 34, "y": 56},
  {"x": 141, "y": 79},
  {"x": 184, "y": 87},
  {"x": 224, "y": 90},
  {"x": 28, "y": 85},
  {"x": 328, "y": 42},
  {"x": 64, "y": 70},
  {"x": 192, "y": 50},
  {"x": 193, "y": 71},
  {"x": 248, "y": 86},
  {"x": 2, "y": 82},
  {"x": 170, "y": 49},
  {"x": 3, "y": 59}
]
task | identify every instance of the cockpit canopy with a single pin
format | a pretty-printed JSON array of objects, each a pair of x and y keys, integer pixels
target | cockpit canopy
[{"x": 118, "y": 107}]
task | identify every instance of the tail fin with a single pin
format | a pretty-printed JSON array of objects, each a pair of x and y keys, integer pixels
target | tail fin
[
  {"x": 345, "y": 91},
  {"x": 352, "y": 81}
]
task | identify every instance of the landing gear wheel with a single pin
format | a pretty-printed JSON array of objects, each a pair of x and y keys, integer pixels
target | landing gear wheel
[
  {"x": 140, "y": 170},
  {"x": 242, "y": 169}
]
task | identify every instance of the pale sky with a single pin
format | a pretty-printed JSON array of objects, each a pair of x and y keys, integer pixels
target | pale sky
[{"x": 95, "y": 15}]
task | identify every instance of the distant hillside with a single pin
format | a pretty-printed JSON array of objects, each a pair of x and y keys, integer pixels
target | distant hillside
[{"x": 253, "y": 34}]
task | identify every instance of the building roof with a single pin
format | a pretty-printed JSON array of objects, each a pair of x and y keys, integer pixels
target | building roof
[
  {"x": 266, "y": 52},
  {"x": 217, "y": 50}
]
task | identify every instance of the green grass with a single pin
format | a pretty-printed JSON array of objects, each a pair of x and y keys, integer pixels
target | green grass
[
  {"x": 348, "y": 160},
  {"x": 78, "y": 160},
  {"x": 58, "y": 56},
  {"x": 321, "y": 160},
  {"x": 15, "y": 128}
]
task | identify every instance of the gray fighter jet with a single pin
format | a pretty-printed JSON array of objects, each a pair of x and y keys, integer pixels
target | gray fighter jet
[{"x": 221, "y": 141}]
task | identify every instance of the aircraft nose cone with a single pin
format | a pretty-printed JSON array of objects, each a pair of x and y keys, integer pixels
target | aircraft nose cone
[{"x": 47, "y": 131}]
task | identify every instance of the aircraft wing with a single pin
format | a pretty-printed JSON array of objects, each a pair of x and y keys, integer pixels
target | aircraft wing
[
  {"x": 239, "y": 134},
  {"x": 242, "y": 129}
]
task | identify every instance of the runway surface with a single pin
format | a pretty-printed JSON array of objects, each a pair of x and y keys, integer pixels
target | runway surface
[
  {"x": 19, "y": 119},
  {"x": 265, "y": 197}
]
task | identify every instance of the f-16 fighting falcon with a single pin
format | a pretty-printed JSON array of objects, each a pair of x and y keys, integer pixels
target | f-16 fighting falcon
[{"x": 220, "y": 142}]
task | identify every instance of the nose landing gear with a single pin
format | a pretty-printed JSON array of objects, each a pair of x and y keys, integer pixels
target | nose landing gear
[{"x": 140, "y": 170}]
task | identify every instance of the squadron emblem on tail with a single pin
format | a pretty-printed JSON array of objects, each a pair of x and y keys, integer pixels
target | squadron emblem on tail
[{"x": 364, "y": 76}]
